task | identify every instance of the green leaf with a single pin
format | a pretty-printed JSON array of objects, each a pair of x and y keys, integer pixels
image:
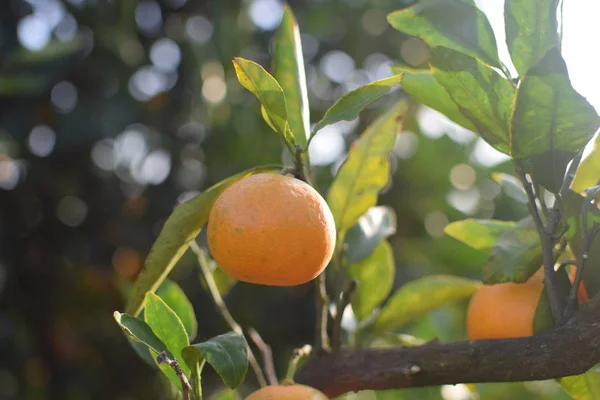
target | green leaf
[
  {"x": 366, "y": 170},
  {"x": 168, "y": 328},
  {"x": 454, "y": 24},
  {"x": 227, "y": 354},
  {"x": 175, "y": 298},
  {"x": 420, "y": 296},
  {"x": 531, "y": 30},
  {"x": 268, "y": 91},
  {"x": 583, "y": 387},
  {"x": 182, "y": 226},
  {"x": 480, "y": 234},
  {"x": 289, "y": 71},
  {"x": 482, "y": 95},
  {"x": 375, "y": 279},
  {"x": 139, "y": 331},
  {"x": 516, "y": 255},
  {"x": 350, "y": 105},
  {"x": 377, "y": 224},
  {"x": 588, "y": 171},
  {"x": 423, "y": 88},
  {"x": 551, "y": 122},
  {"x": 511, "y": 186}
]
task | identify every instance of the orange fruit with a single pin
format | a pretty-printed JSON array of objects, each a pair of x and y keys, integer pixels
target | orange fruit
[
  {"x": 287, "y": 392},
  {"x": 504, "y": 310},
  {"x": 271, "y": 229}
]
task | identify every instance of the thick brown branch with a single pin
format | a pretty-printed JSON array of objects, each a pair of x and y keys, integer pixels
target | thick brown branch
[{"x": 568, "y": 350}]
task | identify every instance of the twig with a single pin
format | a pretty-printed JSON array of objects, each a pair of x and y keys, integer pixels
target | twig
[
  {"x": 267, "y": 355},
  {"x": 576, "y": 344},
  {"x": 297, "y": 356},
  {"x": 547, "y": 240},
  {"x": 344, "y": 300},
  {"x": 214, "y": 291},
  {"x": 322, "y": 304},
  {"x": 186, "y": 388}
]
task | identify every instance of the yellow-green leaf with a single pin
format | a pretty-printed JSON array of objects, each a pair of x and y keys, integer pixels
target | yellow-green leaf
[
  {"x": 168, "y": 328},
  {"x": 182, "y": 226},
  {"x": 583, "y": 387},
  {"x": 423, "y": 88},
  {"x": 351, "y": 104},
  {"x": 175, "y": 298},
  {"x": 531, "y": 30},
  {"x": 289, "y": 71},
  {"x": 366, "y": 170},
  {"x": 455, "y": 24},
  {"x": 551, "y": 122},
  {"x": 267, "y": 90},
  {"x": 375, "y": 278},
  {"x": 482, "y": 95},
  {"x": 480, "y": 234},
  {"x": 588, "y": 172},
  {"x": 421, "y": 296}
]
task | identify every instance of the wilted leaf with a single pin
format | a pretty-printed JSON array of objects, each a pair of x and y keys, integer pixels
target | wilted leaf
[
  {"x": 422, "y": 295},
  {"x": 482, "y": 95},
  {"x": 183, "y": 225},
  {"x": 268, "y": 91},
  {"x": 516, "y": 255},
  {"x": 375, "y": 278},
  {"x": 175, "y": 298},
  {"x": 531, "y": 30},
  {"x": 480, "y": 234},
  {"x": 588, "y": 172},
  {"x": 350, "y": 105},
  {"x": 377, "y": 224},
  {"x": 227, "y": 354},
  {"x": 423, "y": 88},
  {"x": 551, "y": 122},
  {"x": 366, "y": 170},
  {"x": 454, "y": 24},
  {"x": 289, "y": 71}
]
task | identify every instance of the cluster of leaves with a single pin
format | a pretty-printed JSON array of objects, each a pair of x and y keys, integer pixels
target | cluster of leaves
[{"x": 536, "y": 118}]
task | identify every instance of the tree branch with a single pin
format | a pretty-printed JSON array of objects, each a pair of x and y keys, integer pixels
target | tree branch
[{"x": 570, "y": 349}]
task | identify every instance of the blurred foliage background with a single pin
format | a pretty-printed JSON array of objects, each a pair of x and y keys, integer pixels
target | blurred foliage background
[{"x": 113, "y": 111}]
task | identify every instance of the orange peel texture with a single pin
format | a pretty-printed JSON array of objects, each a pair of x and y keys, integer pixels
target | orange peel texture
[{"x": 271, "y": 229}]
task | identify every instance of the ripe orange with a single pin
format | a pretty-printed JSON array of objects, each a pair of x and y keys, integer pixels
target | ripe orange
[
  {"x": 504, "y": 310},
  {"x": 271, "y": 229},
  {"x": 287, "y": 392}
]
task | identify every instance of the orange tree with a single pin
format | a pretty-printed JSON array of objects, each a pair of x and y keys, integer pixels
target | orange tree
[{"x": 534, "y": 116}]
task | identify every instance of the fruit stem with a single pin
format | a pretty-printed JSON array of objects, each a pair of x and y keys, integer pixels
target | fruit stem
[
  {"x": 267, "y": 354},
  {"x": 297, "y": 356},
  {"x": 344, "y": 301},
  {"x": 322, "y": 301},
  {"x": 220, "y": 303}
]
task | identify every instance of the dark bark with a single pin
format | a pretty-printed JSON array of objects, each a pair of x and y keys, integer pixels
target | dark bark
[{"x": 567, "y": 350}]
